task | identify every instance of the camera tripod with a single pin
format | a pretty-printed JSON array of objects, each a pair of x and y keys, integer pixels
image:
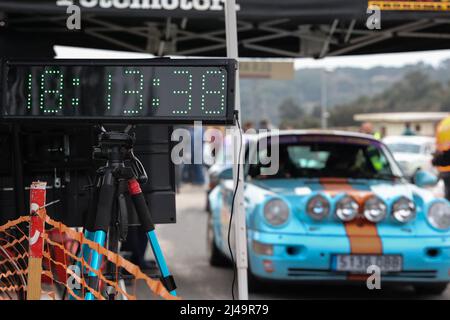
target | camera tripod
[{"x": 117, "y": 183}]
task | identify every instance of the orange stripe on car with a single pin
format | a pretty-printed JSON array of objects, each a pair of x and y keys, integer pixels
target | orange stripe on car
[{"x": 362, "y": 234}]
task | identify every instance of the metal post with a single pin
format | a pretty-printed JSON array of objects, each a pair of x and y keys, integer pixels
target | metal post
[
  {"x": 240, "y": 227},
  {"x": 36, "y": 243}
]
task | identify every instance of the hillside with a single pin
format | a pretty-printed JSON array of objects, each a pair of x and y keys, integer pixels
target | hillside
[{"x": 349, "y": 89}]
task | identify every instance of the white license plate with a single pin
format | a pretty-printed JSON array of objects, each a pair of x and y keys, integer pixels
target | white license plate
[{"x": 360, "y": 263}]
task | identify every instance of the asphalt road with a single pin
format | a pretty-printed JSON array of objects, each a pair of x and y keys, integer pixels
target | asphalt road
[{"x": 185, "y": 248}]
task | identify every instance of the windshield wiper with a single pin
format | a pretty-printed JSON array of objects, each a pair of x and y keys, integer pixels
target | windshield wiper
[
  {"x": 381, "y": 176},
  {"x": 387, "y": 176}
]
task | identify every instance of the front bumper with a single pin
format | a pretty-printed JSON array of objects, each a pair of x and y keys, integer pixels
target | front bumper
[{"x": 309, "y": 258}]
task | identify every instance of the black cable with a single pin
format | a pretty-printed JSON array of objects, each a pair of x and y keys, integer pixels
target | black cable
[{"x": 232, "y": 207}]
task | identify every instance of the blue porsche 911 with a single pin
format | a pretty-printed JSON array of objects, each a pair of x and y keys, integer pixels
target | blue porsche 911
[{"x": 337, "y": 207}]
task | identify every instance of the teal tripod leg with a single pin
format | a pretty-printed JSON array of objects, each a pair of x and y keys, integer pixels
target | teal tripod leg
[
  {"x": 96, "y": 262},
  {"x": 86, "y": 250},
  {"x": 85, "y": 254},
  {"x": 147, "y": 224},
  {"x": 160, "y": 260}
]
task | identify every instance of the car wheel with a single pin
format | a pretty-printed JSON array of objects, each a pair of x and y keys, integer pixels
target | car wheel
[
  {"x": 216, "y": 257},
  {"x": 431, "y": 288}
]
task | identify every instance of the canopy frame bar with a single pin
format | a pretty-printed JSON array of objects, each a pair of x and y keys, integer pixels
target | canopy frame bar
[{"x": 163, "y": 37}]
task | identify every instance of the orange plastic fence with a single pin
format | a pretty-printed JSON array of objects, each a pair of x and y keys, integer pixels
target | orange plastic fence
[{"x": 61, "y": 252}]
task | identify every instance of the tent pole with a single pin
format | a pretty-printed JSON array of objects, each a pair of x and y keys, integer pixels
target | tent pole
[{"x": 240, "y": 227}]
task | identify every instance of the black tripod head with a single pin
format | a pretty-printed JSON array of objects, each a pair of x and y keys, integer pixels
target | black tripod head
[{"x": 116, "y": 148}]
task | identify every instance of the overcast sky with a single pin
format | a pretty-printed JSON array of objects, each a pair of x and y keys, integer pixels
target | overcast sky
[
  {"x": 369, "y": 61},
  {"x": 365, "y": 61}
]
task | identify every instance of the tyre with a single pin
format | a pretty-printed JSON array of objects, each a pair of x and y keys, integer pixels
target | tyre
[
  {"x": 216, "y": 257},
  {"x": 431, "y": 288}
]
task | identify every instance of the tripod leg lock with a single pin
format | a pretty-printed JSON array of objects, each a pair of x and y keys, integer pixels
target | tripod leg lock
[{"x": 169, "y": 283}]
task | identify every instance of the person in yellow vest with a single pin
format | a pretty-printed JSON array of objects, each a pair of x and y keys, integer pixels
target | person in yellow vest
[
  {"x": 367, "y": 128},
  {"x": 441, "y": 159}
]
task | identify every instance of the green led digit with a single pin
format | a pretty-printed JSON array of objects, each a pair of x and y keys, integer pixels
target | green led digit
[
  {"x": 132, "y": 110},
  {"x": 219, "y": 92},
  {"x": 109, "y": 86},
  {"x": 155, "y": 100},
  {"x": 75, "y": 101},
  {"x": 30, "y": 90},
  {"x": 57, "y": 93},
  {"x": 188, "y": 93}
]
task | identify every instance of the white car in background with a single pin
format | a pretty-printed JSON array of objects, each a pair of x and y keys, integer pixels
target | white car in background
[{"x": 412, "y": 152}]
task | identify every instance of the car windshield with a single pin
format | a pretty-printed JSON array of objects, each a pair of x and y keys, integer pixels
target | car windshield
[
  {"x": 333, "y": 157},
  {"x": 404, "y": 147}
]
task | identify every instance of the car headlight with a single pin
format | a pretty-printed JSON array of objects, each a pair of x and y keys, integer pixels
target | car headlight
[
  {"x": 276, "y": 212},
  {"x": 318, "y": 207},
  {"x": 374, "y": 209},
  {"x": 346, "y": 208},
  {"x": 439, "y": 215},
  {"x": 403, "y": 210}
]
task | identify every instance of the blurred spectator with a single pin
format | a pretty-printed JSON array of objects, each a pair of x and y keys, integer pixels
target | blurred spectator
[
  {"x": 408, "y": 131},
  {"x": 248, "y": 125},
  {"x": 367, "y": 128},
  {"x": 441, "y": 158},
  {"x": 194, "y": 172},
  {"x": 418, "y": 128},
  {"x": 265, "y": 125},
  {"x": 383, "y": 132}
]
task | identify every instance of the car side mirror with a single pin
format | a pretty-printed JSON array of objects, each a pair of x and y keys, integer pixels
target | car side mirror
[
  {"x": 226, "y": 174},
  {"x": 424, "y": 178}
]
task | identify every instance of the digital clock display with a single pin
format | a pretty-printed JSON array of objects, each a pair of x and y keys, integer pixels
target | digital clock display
[{"x": 159, "y": 90}]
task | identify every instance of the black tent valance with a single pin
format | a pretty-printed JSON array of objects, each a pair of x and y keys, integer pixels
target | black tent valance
[{"x": 267, "y": 28}]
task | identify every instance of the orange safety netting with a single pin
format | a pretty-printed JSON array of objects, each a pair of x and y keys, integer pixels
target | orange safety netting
[
  {"x": 61, "y": 262},
  {"x": 14, "y": 259}
]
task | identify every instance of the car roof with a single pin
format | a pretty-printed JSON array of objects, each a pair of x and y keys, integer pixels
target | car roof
[
  {"x": 321, "y": 132},
  {"x": 409, "y": 139}
]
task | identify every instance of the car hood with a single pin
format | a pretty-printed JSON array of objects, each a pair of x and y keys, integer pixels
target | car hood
[{"x": 304, "y": 187}]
